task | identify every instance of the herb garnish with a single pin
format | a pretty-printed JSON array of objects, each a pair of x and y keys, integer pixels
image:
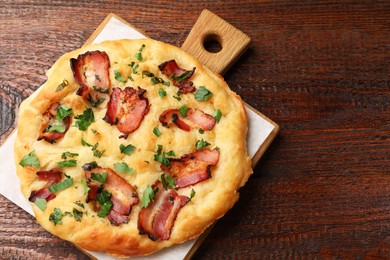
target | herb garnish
[
  {"x": 105, "y": 203},
  {"x": 217, "y": 115},
  {"x": 79, "y": 203},
  {"x": 65, "y": 155},
  {"x": 59, "y": 186},
  {"x": 200, "y": 144},
  {"x": 86, "y": 188},
  {"x": 202, "y": 93},
  {"x": 128, "y": 149},
  {"x": 67, "y": 163},
  {"x": 119, "y": 77},
  {"x": 148, "y": 196},
  {"x": 56, "y": 216},
  {"x": 30, "y": 160},
  {"x": 62, "y": 85},
  {"x": 101, "y": 90},
  {"x": 97, "y": 153},
  {"x": 123, "y": 167},
  {"x": 182, "y": 76},
  {"x": 93, "y": 102},
  {"x": 41, "y": 203},
  {"x": 85, "y": 119},
  {"x": 77, "y": 215},
  {"x": 167, "y": 182},
  {"x": 58, "y": 128},
  {"x": 183, "y": 111},
  {"x": 84, "y": 143},
  {"x": 162, "y": 92},
  {"x": 138, "y": 55},
  {"x": 156, "y": 132},
  {"x": 177, "y": 96},
  {"x": 100, "y": 177},
  {"x": 62, "y": 112},
  {"x": 191, "y": 195},
  {"x": 161, "y": 157}
]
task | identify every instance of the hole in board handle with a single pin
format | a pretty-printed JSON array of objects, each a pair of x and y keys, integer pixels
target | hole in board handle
[{"x": 212, "y": 43}]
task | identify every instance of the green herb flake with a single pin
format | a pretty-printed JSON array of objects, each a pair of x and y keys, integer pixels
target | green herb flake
[
  {"x": 138, "y": 55},
  {"x": 105, "y": 203},
  {"x": 85, "y": 185},
  {"x": 161, "y": 157},
  {"x": 183, "y": 111},
  {"x": 130, "y": 78},
  {"x": 62, "y": 85},
  {"x": 162, "y": 92},
  {"x": 41, "y": 203},
  {"x": 123, "y": 167},
  {"x": 217, "y": 115},
  {"x": 67, "y": 163},
  {"x": 148, "y": 196},
  {"x": 119, "y": 77},
  {"x": 200, "y": 144},
  {"x": 97, "y": 153},
  {"x": 93, "y": 102},
  {"x": 84, "y": 143},
  {"x": 192, "y": 195},
  {"x": 85, "y": 119},
  {"x": 65, "y": 155},
  {"x": 30, "y": 160},
  {"x": 56, "y": 216},
  {"x": 77, "y": 214},
  {"x": 135, "y": 68},
  {"x": 62, "y": 112},
  {"x": 202, "y": 94},
  {"x": 168, "y": 181},
  {"x": 177, "y": 97},
  {"x": 101, "y": 90},
  {"x": 147, "y": 73},
  {"x": 128, "y": 149},
  {"x": 79, "y": 203},
  {"x": 201, "y": 131},
  {"x": 57, "y": 128},
  {"x": 183, "y": 76},
  {"x": 156, "y": 132},
  {"x": 62, "y": 185},
  {"x": 100, "y": 177}
]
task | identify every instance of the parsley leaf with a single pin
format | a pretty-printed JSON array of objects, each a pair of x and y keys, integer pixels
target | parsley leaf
[
  {"x": 58, "y": 128},
  {"x": 62, "y": 112},
  {"x": 119, "y": 77},
  {"x": 201, "y": 144},
  {"x": 202, "y": 94},
  {"x": 85, "y": 119},
  {"x": 77, "y": 215},
  {"x": 135, "y": 68},
  {"x": 183, "y": 111},
  {"x": 97, "y": 153},
  {"x": 128, "y": 149},
  {"x": 62, "y": 85},
  {"x": 161, "y": 157},
  {"x": 41, "y": 203},
  {"x": 79, "y": 203},
  {"x": 191, "y": 195},
  {"x": 86, "y": 188},
  {"x": 217, "y": 115},
  {"x": 148, "y": 196},
  {"x": 177, "y": 97},
  {"x": 65, "y": 155},
  {"x": 162, "y": 92},
  {"x": 100, "y": 177},
  {"x": 30, "y": 160},
  {"x": 56, "y": 216},
  {"x": 67, "y": 163},
  {"x": 167, "y": 182},
  {"x": 156, "y": 131},
  {"x": 138, "y": 55},
  {"x": 59, "y": 186},
  {"x": 84, "y": 143},
  {"x": 101, "y": 90},
  {"x": 182, "y": 76},
  {"x": 105, "y": 203},
  {"x": 93, "y": 102},
  {"x": 123, "y": 167}
]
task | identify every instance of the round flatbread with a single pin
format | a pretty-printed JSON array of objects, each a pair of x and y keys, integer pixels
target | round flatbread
[{"x": 131, "y": 146}]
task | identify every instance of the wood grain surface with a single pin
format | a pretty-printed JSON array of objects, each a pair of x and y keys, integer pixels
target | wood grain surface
[{"x": 320, "y": 69}]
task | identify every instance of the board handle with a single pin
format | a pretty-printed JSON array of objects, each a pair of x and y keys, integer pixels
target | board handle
[{"x": 210, "y": 28}]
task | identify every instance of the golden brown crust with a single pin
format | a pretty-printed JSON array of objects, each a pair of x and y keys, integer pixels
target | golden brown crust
[{"x": 214, "y": 196}]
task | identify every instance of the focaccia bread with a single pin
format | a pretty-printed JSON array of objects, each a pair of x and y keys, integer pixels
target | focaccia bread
[{"x": 131, "y": 146}]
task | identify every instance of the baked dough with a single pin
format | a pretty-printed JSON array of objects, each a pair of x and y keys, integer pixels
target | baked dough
[{"x": 212, "y": 196}]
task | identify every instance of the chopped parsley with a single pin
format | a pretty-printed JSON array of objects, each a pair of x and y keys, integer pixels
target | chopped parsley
[
  {"x": 138, "y": 55},
  {"x": 62, "y": 85},
  {"x": 41, "y": 203},
  {"x": 128, "y": 149},
  {"x": 67, "y": 163},
  {"x": 84, "y": 143},
  {"x": 135, "y": 68},
  {"x": 148, "y": 196},
  {"x": 105, "y": 203},
  {"x": 97, "y": 153},
  {"x": 85, "y": 119},
  {"x": 100, "y": 177},
  {"x": 177, "y": 97},
  {"x": 56, "y": 216},
  {"x": 191, "y": 195},
  {"x": 58, "y": 128},
  {"x": 156, "y": 80},
  {"x": 201, "y": 131},
  {"x": 93, "y": 102},
  {"x": 200, "y": 144},
  {"x": 183, "y": 111},
  {"x": 65, "y": 155},
  {"x": 77, "y": 214},
  {"x": 161, "y": 156},
  {"x": 62, "y": 112},
  {"x": 123, "y": 167},
  {"x": 202, "y": 94},
  {"x": 156, "y": 132},
  {"x": 182, "y": 76},
  {"x": 217, "y": 115},
  {"x": 101, "y": 90},
  {"x": 168, "y": 181},
  {"x": 86, "y": 188},
  {"x": 62, "y": 185},
  {"x": 162, "y": 92},
  {"x": 30, "y": 160},
  {"x": 79, "y": 203},
  {"x": 119, "y": 77}
]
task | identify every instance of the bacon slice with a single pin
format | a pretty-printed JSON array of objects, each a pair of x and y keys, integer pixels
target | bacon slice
[
  {"x": 126, "y": 109},
  {"x": 49, "y": 118},
  {"x": 123, "y": 194},
  {"x": 91, "y": 72},
  {"x": 179, "y": 76},
  {"x": 192, "y": 168},
  {"x": 51, "y": 177},
  {"x": 158, "y": 218},
  {"x": 195, "y": 119}
]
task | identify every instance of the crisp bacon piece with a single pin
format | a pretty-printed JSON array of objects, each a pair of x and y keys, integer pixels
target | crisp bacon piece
[
  {"x": 49, "y": 118},
  {"x": 126, "y": 109},
  {"x": 195, "y": 119},
  {"x": 179, "y": 76},
  {"x": 91, "y": 72},
  {"x": 123, "y": 194},
  {"x": 51, "y": 177},
  {"x": 158, "y": 217},
  {"x": 192, "y": 168}
]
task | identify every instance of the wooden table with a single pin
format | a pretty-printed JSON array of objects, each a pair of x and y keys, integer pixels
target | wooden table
[{"x": 320, "y": 69}]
